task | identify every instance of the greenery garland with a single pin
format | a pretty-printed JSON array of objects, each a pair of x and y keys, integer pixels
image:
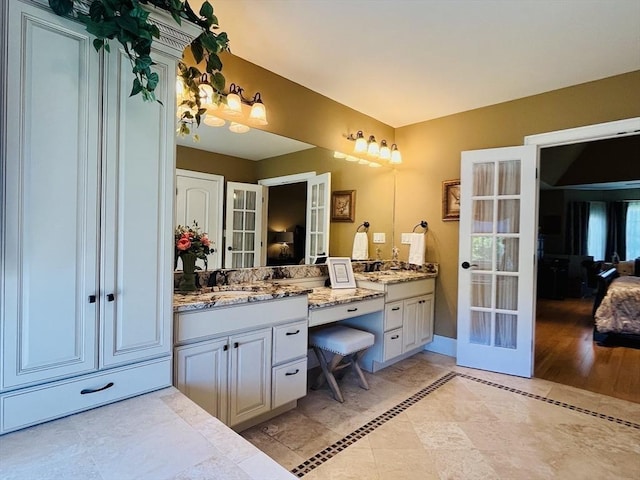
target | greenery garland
[{"x": 127, "y": 22}]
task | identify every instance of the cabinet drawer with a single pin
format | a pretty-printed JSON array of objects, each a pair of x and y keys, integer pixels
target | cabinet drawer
[
  {"x": 392, "y": 344},
  {"x": 47, "y": 402},
  {"x": 321, "y": 316},
  {"x": 218, "y": 321},
  {"x": 289, "y": 382},
  {"x": 289, "y": 341},
  {"x": 398, "y": 291},
  {"x": 393, "y": 315}
]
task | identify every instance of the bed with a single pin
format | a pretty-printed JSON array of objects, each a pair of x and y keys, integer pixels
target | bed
[{"x": 617, "y": 306}]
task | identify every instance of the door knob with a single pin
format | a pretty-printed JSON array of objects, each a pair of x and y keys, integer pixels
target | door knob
[
  {"x": 466, "y": 265},
  {"x": 230, "y": 248}
]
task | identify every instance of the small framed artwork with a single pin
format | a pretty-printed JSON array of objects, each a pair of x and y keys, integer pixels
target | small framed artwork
[
  {"x": 343, "y": 206},
  {"x": 341, "y": 272},
  {"x": 451, "y": 200}
]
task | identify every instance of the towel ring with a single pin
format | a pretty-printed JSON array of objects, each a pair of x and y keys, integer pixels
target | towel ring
[
  {"x": 365, "y": 225},
  {"x": 422, "y": 224}
]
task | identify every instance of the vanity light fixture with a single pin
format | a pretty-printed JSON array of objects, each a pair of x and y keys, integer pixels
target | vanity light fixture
[
  {"x": 220, "y": 105},
  {"x": 372, "y": 150}
]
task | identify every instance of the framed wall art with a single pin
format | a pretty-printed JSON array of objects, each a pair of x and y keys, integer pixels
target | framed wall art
[
  {"x": 343, "y": 206},
  {"x": 451, "y": 200},
  {"x": 341, "y": 272}
]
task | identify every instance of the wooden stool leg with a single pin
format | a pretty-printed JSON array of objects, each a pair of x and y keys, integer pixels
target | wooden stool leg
[
  {"x": 363, "y": 381},
  {"x": 327, "y": 373},
  {"x": 322, "y": 361}
]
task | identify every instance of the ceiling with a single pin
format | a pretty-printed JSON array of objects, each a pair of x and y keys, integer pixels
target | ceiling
[{"x": 407, "y": 61}]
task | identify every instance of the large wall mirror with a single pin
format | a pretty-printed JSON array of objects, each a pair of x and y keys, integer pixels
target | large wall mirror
[{"x": 223, "y": 178}]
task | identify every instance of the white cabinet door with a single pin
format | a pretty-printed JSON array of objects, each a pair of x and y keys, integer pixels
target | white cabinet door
[
  {"x": 201, "y": 374},
  {"x": 138, "y": 215},
  {"x": 411, "y": 312},
  {"x": 425, "y": 319},
  {"x": 250, "y": 375},
  {"x": 199, "y": 198},
  {"x": 50, "y": 208}
]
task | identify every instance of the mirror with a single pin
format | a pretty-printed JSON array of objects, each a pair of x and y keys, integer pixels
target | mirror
[{"x": 257, "y": 155}]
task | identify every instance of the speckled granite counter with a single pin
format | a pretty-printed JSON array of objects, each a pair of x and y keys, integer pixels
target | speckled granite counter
[
  {"x": 393, "y": 276},
  {"x": 322, "y": 297},
  {"x": 158, "y": 436},
  {"x": 235, "y": 294}
]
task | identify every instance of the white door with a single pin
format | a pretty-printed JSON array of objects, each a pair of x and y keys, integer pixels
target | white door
[
  {"x": 199, "y": 198},
  {"x": 318, "y": 215},
  {"x": 496, "y": 299},
  {"x": 243, "y": 225}
]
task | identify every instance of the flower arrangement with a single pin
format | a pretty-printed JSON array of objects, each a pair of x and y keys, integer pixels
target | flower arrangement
[{"x": 190, "y": 240}]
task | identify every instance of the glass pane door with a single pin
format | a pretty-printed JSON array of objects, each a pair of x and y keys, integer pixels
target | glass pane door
[{"x": 244, "y": 213}]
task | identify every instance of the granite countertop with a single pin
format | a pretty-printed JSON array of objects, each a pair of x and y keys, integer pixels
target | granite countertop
[
  {"x": 158, "y": 436},
  {"x": 322, "y": 297},
  {"x": 235, "y": 294},
  {"x": 393, "y": 276}
]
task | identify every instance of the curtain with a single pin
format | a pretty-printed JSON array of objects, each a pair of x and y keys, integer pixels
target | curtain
[
  {"x": 633, "y": 230},
  {"x": 597, "y": 230},
  {"x": 576, "y": 229},
  {"x": 616, "y": 237}
]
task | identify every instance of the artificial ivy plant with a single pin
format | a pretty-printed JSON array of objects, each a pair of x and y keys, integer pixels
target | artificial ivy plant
[{"x": 127, "y": 21}]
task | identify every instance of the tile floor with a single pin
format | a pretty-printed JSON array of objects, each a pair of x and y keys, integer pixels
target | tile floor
[{"x": 426, "y": 418}]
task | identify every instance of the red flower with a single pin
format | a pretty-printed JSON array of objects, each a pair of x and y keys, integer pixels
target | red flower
[
  {"x": 205, "y": 240},
  {"x": 183, "y": 243}
]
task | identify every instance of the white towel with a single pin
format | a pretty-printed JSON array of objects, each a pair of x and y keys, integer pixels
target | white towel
[
  {"x": 416, "y": 249},
  {"x": 360, "y": 246}
]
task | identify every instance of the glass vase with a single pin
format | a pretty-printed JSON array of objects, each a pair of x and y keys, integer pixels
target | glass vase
[{"x": 188, "y": 280}]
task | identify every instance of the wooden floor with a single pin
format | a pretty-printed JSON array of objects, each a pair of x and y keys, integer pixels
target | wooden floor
[{"x": 566, "y": 353}]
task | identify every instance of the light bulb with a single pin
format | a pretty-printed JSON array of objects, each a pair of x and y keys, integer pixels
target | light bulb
[
  {"x": 234, "y": 105},
  {"x": 206, "y": 95},
  {"x": 396, "y": 156},
  {"x": 236, "y": 127},
  {"x": 337, "y": 154},
  {"x": 351, "y": 158},
  {"x": 373, "y": 150},
  {"x": 374, "y": 164},
  {"x": 362, "y": 161},
  {"x": 361, "y": 143},
  {"x": 385, "y": 151},
  {"x": 258, "y": 114}
]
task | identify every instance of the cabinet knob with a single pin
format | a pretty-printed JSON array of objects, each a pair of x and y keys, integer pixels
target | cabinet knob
[
  {"x": 292, "y": 373},
  {"x": 225, "y": 348},
  {"x": 293, "y": 333},
  {"x": 236, "y": 345},
  {"x": 92, "y": 299},
  {"x": 111, "y": 297}
]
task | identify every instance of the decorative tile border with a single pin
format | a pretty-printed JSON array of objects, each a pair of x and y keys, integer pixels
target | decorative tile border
[
  {"x": 586, "y": 411},
  {"x": 321, "y": 457}
]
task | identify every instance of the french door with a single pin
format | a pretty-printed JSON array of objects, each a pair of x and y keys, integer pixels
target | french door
[
  {"x": 243, "y": 225},
  {"x": 496, "y": 273},
  {"x": 318, "y": 215}
]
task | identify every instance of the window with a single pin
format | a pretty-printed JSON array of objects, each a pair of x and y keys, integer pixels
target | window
[
  {"x": 633, "y": 230},
  {"x": 597, "y": 230}
]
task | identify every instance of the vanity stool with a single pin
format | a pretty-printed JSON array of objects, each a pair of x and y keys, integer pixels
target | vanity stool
[{"x": 347, "y": 344}]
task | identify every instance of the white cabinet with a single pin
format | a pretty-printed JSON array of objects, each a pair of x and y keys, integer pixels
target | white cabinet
[
  {"x": 86, "y": 235},
  {"x": 241, "y": 362},
  {"x": 407, "y": 324}
]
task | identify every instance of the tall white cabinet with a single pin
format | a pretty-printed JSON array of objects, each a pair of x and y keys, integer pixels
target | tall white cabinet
[{"x": 87, "y": 219}]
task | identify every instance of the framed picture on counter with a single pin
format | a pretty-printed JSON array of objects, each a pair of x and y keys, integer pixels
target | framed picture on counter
[{"x": 341, "y": 272}]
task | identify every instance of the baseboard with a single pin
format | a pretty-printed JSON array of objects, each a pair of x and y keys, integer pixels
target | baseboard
[{"x": 443, "y": 345}]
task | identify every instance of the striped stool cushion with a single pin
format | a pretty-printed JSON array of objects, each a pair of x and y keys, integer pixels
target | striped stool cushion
[{"x": 341, "y": 340}]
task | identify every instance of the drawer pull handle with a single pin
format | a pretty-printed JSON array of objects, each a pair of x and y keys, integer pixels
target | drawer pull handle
[
  {"x": 225, "y": 348},
  {"x": 92, "y": 299},
  {"x": 236, "y": 345},
  {"x": 111, "y": 297},
  {"x": 293, "y": 333},
  {"x": 395, "y": 309},
  {"x": 395, "y": 337},
  {"x": 352, "y": 309},
  {"x": 292, "y": 373},
  {"x": 96, "y": 390}
]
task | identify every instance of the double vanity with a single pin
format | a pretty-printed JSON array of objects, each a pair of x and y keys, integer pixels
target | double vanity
[{"x": 241, "y": 349}]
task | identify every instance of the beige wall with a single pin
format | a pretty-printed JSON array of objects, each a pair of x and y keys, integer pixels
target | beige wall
[
  {"x": 431, "y": 153},
  {"x": 233, "y": 169}
]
